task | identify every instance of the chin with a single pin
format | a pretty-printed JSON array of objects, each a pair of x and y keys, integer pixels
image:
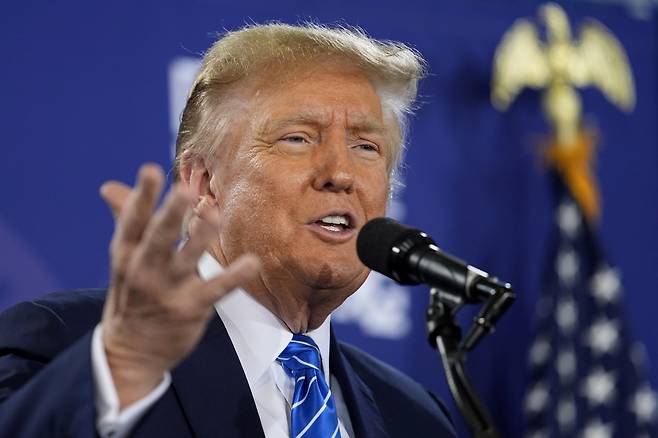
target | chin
[
  {"x": 322, "y": 266},
  {"x": 335, "y": 276}
]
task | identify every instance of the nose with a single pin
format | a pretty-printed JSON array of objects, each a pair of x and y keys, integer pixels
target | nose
[{"x": 334, "y": 168}]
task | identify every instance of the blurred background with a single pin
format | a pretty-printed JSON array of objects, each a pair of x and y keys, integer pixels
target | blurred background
[{"x": 91, "y": 90}]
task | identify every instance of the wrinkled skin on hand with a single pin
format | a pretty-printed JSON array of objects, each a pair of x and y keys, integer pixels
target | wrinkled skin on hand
[{"x": 157, "y": 306}]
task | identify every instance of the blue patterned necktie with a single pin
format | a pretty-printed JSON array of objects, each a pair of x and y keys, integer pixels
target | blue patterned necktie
[{"x": 313, "y": 411}]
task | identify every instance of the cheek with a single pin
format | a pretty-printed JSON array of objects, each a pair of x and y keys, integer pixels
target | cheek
[
  {"x": 241, "y": 204},
  {"x": 256, "y": 210},
  {"x": 375, "y": 194}
]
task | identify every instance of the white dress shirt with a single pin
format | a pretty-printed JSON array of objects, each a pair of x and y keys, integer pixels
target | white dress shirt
[{"x": 258, "y": 337}]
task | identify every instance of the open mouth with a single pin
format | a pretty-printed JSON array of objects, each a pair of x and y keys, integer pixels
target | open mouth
[{"x": 335, "y": 223}]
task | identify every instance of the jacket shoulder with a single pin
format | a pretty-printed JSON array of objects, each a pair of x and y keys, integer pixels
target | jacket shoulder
[
  {"x": 33, "y": 333},
  {"x": 401, "y": 400},
  {"x": 47, "y": 325}
]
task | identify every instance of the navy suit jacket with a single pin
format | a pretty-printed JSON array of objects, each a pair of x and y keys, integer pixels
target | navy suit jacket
[{"x": 46, "y": 385}]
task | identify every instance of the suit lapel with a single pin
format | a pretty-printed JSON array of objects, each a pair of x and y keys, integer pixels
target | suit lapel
[
  {"x": 216, "y": 400},
  {"x": 366, "y": 419},
  {"x": 213, "y": 390}
]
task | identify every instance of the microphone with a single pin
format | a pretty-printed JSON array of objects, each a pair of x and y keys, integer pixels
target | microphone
[{"x": 410, "y": 256}]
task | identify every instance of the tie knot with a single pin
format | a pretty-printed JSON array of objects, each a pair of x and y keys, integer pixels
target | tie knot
[{"x": 301, "y": 355}]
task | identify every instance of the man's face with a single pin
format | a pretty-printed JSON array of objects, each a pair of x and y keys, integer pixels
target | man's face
[{"x": 305, "y": 171}]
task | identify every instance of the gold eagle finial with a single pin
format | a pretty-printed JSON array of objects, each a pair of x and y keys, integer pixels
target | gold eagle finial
[{"x": 559, "y": 65}]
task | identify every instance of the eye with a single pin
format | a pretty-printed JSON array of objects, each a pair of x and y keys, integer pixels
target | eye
[
  {"x": 367, "y": 147},
  {"x": 295, "y": 138}
]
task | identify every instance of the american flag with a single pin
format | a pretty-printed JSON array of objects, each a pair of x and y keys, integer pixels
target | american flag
[{"x": 587, "y": 375}]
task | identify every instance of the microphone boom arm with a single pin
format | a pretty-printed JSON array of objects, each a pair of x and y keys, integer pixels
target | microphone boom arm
[{"x": 444, "y": 334}]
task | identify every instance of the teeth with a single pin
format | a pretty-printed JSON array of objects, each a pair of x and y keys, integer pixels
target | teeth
[
  {"x": 336, "y": 220},
  {"x": 333, "y": 228}
]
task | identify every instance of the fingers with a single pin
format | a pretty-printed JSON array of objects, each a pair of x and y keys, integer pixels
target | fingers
[
  {"x": 204, "y": 233},
  {"x": 135, "y": 210},
  {"x": 205, "y": 209},
  {"x": 116, "y": 195},
  {"x": 164, "y": 228},
  {"x": 244, "y": 269}
]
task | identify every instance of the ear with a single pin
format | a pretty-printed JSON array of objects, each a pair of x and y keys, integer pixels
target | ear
[{"x": 194, "y": 174}]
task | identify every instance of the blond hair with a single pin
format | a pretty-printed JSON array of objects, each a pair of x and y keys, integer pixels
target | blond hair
[{"x": 394, "y": 68}]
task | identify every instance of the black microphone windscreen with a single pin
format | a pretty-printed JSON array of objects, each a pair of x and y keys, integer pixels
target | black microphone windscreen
[{"x": 375, "y": 240}]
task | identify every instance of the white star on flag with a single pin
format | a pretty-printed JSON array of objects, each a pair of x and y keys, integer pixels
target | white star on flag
[
  {"x": 566, "y": 315},
  {"x": 566, "y": 365},
  {"x": 567, "y": 266},
  {"x": 566, "y": 414},
  {"x": 603, "y": 336},
  {"x": 597, "y": 429},
  {"x": 537, "y": 398},
  {"x": 606, "y": 285},
  {"x": 568, "y": 218},
  {"x": 540, "y": 351},
  {"x": 599, "y": 387},
  {"x": 643, "y": 404}
]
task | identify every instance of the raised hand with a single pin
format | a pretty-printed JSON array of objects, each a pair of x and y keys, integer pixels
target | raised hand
[{"x": 157, "y": 307}]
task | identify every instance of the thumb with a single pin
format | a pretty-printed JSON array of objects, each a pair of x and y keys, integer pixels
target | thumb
[{"x": 115, "y": 194}]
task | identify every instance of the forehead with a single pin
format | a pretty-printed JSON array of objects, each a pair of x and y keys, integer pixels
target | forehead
[{"x": 317, "y": 94}]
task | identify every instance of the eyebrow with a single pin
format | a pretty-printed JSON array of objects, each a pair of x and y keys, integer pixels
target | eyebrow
[
  {"x": 271, "y": 125},
  {"x": 368, "y": 125},
  {"x": 359, "y": 123}
]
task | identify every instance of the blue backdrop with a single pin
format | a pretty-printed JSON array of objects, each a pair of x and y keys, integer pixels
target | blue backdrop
[{"x": 90, "y": 90}]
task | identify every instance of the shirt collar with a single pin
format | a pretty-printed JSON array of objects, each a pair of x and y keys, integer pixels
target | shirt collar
[{"x": 257, "y": 334}]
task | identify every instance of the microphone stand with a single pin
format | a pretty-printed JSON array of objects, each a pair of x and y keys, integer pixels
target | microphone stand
[{"x": 444, "y": 335}]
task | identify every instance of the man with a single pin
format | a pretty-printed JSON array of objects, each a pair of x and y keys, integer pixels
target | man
[{"x": 286, "y": 148}]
